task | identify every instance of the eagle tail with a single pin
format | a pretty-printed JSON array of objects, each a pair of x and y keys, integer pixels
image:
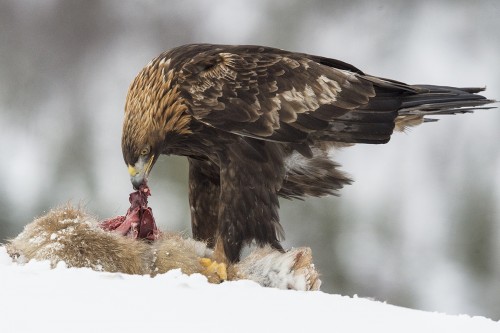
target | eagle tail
[
  {"x": 429, "y": 100},
  {"x": 438, "y": 100},
  {"x": 396, "y": 107}
]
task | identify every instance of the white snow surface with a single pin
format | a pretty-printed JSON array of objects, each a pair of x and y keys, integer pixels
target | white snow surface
[{"x": 36, "y": 298}]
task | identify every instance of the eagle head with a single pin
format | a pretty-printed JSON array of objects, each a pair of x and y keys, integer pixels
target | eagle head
[{"x": 154, "y": 112}]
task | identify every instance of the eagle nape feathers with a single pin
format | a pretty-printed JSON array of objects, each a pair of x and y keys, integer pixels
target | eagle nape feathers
[{"x": 257, "y": 123}]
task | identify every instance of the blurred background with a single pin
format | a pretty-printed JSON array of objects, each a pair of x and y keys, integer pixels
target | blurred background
[{"x": 419, "y": 228}]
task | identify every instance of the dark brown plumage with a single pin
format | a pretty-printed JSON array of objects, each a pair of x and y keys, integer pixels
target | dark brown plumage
[{"x": 257, "y": 123}]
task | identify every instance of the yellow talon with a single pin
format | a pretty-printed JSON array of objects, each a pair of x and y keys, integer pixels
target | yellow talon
[
  {"x": 206, "y": 262},
  {"x": 222, "y": 271},
  {"x": 212, "y": 266}
]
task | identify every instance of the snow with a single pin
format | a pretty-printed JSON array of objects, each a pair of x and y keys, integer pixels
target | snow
[{"x": 36, "y": 298}]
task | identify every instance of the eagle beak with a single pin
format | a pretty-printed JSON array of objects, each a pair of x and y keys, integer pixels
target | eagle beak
[{"x": 140, "y": 171}]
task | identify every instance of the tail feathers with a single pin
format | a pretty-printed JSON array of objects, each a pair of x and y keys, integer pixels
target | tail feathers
[
  {"x": 428, "y": 100},
  {"x": 395, "y": 106},
  {"x": 443, "y": 100}
]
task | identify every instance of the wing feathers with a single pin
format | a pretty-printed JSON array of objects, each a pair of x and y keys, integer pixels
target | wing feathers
[
  {"x": 270, "y": 95},
  {"x": 277, "y": 95}
]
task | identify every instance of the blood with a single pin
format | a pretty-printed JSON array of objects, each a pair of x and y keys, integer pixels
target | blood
[{"x": 139, "y": 222}]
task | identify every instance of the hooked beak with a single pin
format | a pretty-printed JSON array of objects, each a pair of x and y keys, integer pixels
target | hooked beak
[{"x": 140, "y": 171}]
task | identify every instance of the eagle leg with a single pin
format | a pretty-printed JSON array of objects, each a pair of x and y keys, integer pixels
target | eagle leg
[
  {"x": 204, "y": 191},
  {"x": 248, "y": 203}
]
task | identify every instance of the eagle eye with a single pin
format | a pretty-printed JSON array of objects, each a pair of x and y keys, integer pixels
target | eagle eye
[{"x": 145, "y": 151}]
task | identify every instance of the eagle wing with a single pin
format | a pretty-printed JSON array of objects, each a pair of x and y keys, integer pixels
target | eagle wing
[{"x": 281, "y": 96}]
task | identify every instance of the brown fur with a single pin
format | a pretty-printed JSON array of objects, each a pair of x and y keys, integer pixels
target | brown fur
[
  {"x": 173, "y": 251},
  {"x": 305, "y": 276},
  {"x": 70, "y": 235}
]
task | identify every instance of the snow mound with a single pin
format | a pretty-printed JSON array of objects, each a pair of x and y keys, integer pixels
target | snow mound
[{"x": 36, "y": 298}]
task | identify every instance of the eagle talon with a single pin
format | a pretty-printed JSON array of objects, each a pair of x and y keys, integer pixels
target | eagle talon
[{"x": 213, "y": 267}]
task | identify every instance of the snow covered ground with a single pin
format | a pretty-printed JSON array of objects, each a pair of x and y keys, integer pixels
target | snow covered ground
[{"x": 35, "y": 298}]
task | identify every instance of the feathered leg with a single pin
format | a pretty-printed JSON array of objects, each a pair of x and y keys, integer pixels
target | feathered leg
[
  {"x": 204, "y": 194},
  {"x": 248, "y": 205}
]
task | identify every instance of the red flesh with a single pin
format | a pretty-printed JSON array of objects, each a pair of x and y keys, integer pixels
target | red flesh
[{"x": 139, "y": 221}]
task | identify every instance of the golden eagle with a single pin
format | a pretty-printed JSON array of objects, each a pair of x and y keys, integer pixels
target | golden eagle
[{"x": 257, "y": 123}]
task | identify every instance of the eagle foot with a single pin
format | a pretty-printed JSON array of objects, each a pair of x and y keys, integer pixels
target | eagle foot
[{"x": 212, "y": 268}]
